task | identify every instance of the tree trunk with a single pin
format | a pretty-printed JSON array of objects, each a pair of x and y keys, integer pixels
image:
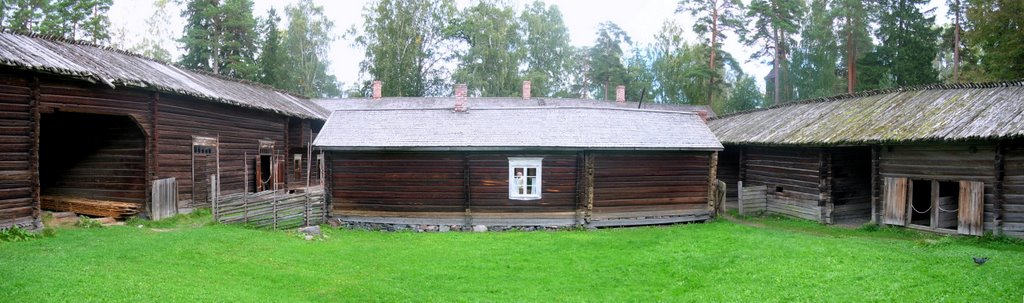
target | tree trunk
[
  {"x": 775, "y": 68},
  {"x": 851, "y": 57},
  {"x": 956, "y": 45},
  {"x": 711, "y": 64}
]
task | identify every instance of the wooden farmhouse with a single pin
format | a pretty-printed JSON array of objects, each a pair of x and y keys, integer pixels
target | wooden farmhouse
[
  {"x": 941, "y": 158},
  {"x": 515, "y": 162},
  {"x": 95, "y": 126}
]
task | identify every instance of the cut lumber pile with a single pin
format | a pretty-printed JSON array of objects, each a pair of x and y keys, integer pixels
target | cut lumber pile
[{"x": 92, "y": 207}]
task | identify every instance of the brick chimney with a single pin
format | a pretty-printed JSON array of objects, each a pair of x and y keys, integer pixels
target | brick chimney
[
  {"x": 526, "y": 90},
  {"x": 703, "y": 115},
  {"x": 376, "y": 89},
  {"x": 460, "y": 98},
  {"x": 620, "y": 94}
]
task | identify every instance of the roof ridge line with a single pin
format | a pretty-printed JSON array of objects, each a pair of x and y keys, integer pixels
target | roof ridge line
[{"x": 882, "y": 91}]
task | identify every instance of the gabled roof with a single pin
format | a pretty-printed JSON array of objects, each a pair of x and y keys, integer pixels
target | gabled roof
[
  {"x": 930, "y": 113},
  {"x": 116, "y": 68},
  {"x": 515, "y": 128},
  {"x": 447, "y": 102}
]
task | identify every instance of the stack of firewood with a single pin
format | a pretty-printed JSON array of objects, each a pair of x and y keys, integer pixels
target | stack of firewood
[{"x": 92, "y": 207}]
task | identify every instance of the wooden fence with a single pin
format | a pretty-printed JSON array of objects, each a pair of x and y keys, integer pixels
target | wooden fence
[
  {"x": 165, "y": 198},
  {"x": 751, "y": 199},
  {"x": 273, "y": 209}
]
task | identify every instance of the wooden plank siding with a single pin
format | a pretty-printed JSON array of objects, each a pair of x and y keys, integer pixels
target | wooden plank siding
[
  {"x": 949, "y": 162},
  {"x": 17, "y": 206},
  {"x": 792, "y": 176},
  {"x": 1013, "y": 190},
  {"x": 433, "y": 187}
]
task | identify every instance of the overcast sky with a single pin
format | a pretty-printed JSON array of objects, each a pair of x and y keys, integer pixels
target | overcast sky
[{"x": 641, "y": 19}]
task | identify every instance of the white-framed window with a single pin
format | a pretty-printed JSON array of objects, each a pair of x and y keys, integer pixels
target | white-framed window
[{"x": 524, "y": 178}]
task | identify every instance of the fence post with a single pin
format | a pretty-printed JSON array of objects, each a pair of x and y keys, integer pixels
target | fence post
[{"x": 739, "y": 196}]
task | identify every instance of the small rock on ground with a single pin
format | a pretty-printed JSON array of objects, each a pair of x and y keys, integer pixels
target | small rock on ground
[
  {"x": 479, "y": 228},
  {"x": 310, "y": 230}
]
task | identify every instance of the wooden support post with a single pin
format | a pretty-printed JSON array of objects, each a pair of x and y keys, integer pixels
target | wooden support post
[
  {"x": 578, "y": 204},
  {"x": 934, "y": 218},
  {"x": 588, "y": 181},
  {"x": 742, "y": 164},
  {"x": 715, "y": 206},
  {"x": 875, "y": 186},
  {"x": 34, "y": 117},
  {"x": 825, "y": 185},
  {"x": 997, "y": 186},
  {"x": 154, "y": 145},
  {"x": 466, "y": 203}
]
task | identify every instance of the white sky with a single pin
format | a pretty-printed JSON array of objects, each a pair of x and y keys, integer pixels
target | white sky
[{"x": 641, "y": 19}]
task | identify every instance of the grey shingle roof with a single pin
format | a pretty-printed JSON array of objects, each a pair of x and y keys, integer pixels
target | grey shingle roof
[
  {"x": 447, "y": 102},
  {"x": 515, "y": 128},
  {"x": 934, "y": 113},
  {"x": 115, "y": 68}
]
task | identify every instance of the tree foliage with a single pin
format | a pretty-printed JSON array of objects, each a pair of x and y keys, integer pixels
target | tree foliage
[
  {"x": 908, "y": 42},
  {"x": 306, "y": 44},
  {"x": 547, "y": 50},
  {"x": 84, "y": 20},
  {"x": 714, "y": 19},
  {"x": 490, "y": 65},
  {"x": 995, "y": 29},
  {"x": 272, "y": 69},
  {"x": 815, "y": 60},
  {"x": 406, "y": 45},
  {"x": 606, "y": 68},
  {"x": 775, "y": 22},
  {"x": 157, "y": 36},
  {"x": 221, "y": 37}
]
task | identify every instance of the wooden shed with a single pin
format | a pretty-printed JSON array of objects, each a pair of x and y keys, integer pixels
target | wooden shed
[
  {"x": 515, "y": 162},
  {"x": 944, "y": 158},
  {"x": 86, "y": 123}
]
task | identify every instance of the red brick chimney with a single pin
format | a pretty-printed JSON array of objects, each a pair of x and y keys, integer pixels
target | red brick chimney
[
  {"x": 703, "y": 115},
  {"x": 526, "y": 90},
  {"x": 460, "y": 98},
  {"x": 376, "y": 89},
  {"x": 620, "y": 94}
]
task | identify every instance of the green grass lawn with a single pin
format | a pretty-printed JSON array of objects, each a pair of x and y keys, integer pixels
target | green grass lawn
[{"x": 783, "y": 260}]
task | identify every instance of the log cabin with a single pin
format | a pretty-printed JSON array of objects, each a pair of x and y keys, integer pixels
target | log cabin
[
  {"x": 80, "y": 122},
  {"x": 942, "y": 158},
  {"x": 515, "y": 162}
]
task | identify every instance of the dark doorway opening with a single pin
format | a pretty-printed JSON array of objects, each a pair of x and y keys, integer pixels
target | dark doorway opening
[
  {"x": 91, "y": 156},
  {"x": 921, "y": 203}
]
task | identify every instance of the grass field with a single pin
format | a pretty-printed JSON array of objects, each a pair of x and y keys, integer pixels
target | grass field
[{"x": 778, "y": 260}]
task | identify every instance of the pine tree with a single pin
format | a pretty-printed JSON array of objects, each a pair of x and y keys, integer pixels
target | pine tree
[
  {"x": 271, "y": 61},
  {"x": 714, "y": 19},
  {"x": 995, "y": 29},
  {"x": 908, "y": 42},
  {"x": 775, "y": 23},
  {"x": 606, "y": 56},
  {"x": 852, "y": 17},
  {"x": 201, "y": 35},
  {"x": 814, "y": 62}
]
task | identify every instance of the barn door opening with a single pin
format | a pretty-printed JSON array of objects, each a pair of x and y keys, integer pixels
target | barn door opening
[
  {"x": 266, "y": 172},
  {"x": 941, "y": 206},
  {"x": 85, "y": 159},
  {"x": 205, "y": 170}
]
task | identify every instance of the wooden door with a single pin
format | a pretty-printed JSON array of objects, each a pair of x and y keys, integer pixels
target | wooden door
[
  {"x": 894, "y": 202},
  {"x": 972, "y": 203}
]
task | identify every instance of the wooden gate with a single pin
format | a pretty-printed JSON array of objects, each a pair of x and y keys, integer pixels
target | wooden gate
[
  {"x": 751, "y": 199},
  {"x": 205, "y": 168},
  {"x": 164, "y": 198},
  {"x": 972, "y": 203},
  {"x": 894, "y": 203}
]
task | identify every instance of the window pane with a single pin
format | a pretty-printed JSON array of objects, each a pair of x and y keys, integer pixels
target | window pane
[{"x": 532, "y": 172}]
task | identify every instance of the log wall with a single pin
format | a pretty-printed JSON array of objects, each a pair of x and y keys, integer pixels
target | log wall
[
  {"x": 17, "y": 206},
  {"x": 1013, "y": 190},
  {"x": 238, "y": 131},
  {"x": 638, "y": 184},
  {"x": 472, "y": 187},
  {"x": 944, "y": 162},
  {"x": 792, "y": 176}
]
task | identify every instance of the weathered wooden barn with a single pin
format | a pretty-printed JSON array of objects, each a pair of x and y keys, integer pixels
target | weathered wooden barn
[
  {"x": 945, "y": 158},
  {"x": 84, "y": 122},
  {"x": 515, "y": 162}
]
